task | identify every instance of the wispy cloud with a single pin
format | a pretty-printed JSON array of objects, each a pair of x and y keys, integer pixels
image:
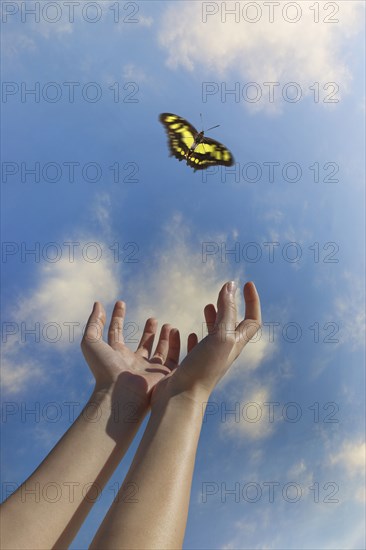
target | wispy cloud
[
  {"x": 57, "y": 308},
  {"x": 180, "y": 284},
  {"x": 15, "y": 43},
  {"x": 17, "y": 371},
  {"x": 253, "y": 420},
  {"x": 132, "y": 72},
  {"x": 145, "y": 21},
  {"x": 351, "y": 456},
  {"x": 349, "y": 305},
  {"x": 279, "y": 51}
]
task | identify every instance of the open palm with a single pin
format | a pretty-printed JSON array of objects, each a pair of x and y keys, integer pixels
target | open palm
[
  {"x": 207, "y": 361},
  {"x": 149, "y": 378},
  {"x": 141, "y": 369}
]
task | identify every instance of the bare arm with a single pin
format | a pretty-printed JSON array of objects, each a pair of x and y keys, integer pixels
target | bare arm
[
  {"x": 89, "y": 452},
  {"x": 163, "y": 465}
]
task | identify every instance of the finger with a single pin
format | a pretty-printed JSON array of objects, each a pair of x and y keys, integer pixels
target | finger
[
  {"x": 172, "y": 359},
  {"x": 210, "y": 317},
  {"x": 115, "y": 331},
  {"x": 147, "y": 339},
  {"x": 252, "y": 302},
  {"x": 162, "y": 347},
  {"x": 94, "y": 328},
  {"x": 192, "y": 342},
  {"x": 253, "y": 318},
  {"x": 226, "y": 309}
]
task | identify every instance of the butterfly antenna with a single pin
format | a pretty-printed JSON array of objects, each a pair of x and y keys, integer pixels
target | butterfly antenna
[{"x": 212, "y": 127}]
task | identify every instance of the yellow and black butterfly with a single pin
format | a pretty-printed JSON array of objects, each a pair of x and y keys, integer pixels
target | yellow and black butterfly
[{"x": 187, "y": 144}]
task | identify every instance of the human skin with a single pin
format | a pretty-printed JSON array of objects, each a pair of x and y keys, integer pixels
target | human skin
[
  {"x": 162, "y": 468},
  {"x": 94, "y": 445},
  {"x": 129, "y": 383}
]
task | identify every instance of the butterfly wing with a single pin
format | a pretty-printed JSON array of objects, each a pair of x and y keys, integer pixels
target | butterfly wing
[
  {"x": 210, "y": 153},
  {"x": 181, "y": 134}
]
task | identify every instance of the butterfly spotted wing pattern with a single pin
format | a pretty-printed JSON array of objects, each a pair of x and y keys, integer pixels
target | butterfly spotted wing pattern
[{"x": 187, "y": 144}]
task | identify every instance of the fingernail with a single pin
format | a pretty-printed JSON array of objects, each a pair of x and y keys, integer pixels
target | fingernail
[{"x": 231, "y": 287}]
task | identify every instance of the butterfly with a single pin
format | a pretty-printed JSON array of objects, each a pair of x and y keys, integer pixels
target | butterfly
[{"x": 187, "y": 144}]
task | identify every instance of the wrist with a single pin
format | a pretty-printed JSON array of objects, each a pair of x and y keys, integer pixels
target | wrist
[
  {"x": 123, "y": 405},
  {"x": 193, "y": 399}
]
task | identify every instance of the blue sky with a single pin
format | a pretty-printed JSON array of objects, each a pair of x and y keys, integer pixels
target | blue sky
[{"x": 174, "y": 229}]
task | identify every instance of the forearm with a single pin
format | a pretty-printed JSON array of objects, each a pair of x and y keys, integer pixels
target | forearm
[
  {"x": 162, "y": 472},
  {"x": 49, "y": 507}
]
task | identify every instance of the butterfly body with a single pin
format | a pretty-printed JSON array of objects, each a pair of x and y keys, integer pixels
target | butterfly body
[
  {"x": 197, "y": 140},
  {"x": 194, "y": 147}
]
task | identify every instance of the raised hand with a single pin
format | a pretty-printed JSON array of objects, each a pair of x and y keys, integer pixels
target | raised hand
[
  {"x": 141, "y": 369},
  {"x": 95, "y": 443},
  {"x": 208, "y": 360},
  {"x": 164, "y": 461}
]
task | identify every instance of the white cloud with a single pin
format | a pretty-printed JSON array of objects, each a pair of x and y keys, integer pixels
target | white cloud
[
  {"x": 181, "y": 284},
  {"x": 60, "y": 304},
  {"x": 300, "y": 473},
  {"x": 145, "y": 21},
  {"x": 350, "y": 310},
  {"x": 297, "y": 469},
  {"x": 347, "y": 310},
  {"x": 279, "y": 231},
  {"x": 352, "y": 457},
  {"x": 85, "y": 273},
  {"x": 49, "y": 21},
  {"x": 303, "y": 52},
  {"x": 67, "y": 290},
  {"x": 14, "y": 43},
  {"x": 179, "y": 287},
  {"x": 101, "y": 213},
  {"x": 253, "y": 420},
  {"x": 360, "y": 494},
  {"x": 274, "y": 215},
  {"x": 133, "y": 20},
  {"x": 131, "y": 72},
  {"x": 17, "y": 372},
  {"x": 65, "y": 294}
]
